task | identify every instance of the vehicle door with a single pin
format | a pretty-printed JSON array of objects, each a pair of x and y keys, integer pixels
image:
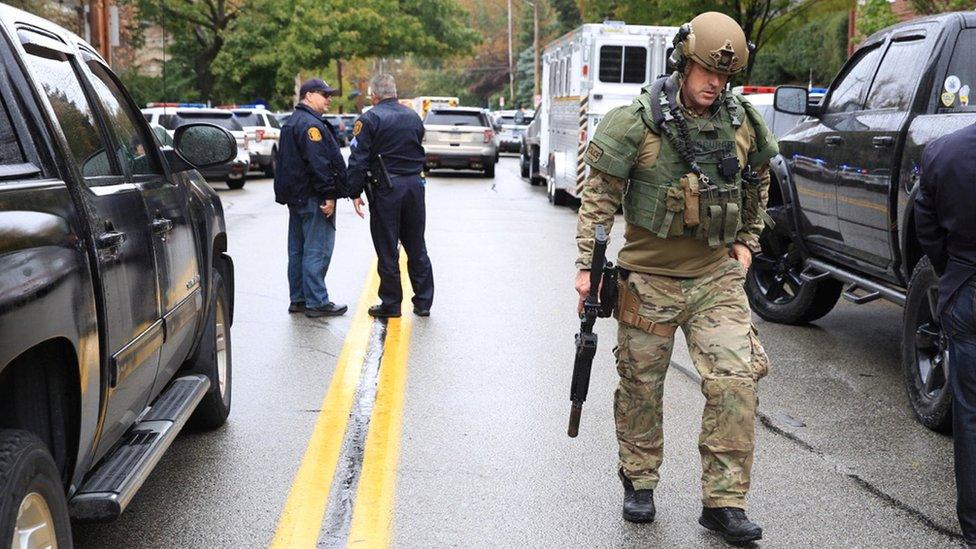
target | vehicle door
[
  {"x": 167, "y": 201},
  {"x": 131, "y": 326},
  {"x": 869, "y": 159},
  {"x": 815, "y": 150}
]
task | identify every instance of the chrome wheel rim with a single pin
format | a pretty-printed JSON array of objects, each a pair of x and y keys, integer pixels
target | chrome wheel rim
[
  {"x": 220, "y": 331},
  {"x": 35, "y": 524}
]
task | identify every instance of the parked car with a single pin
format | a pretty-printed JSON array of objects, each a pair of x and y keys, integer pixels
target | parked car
[
  {"x": 340, "y": 127},
  {"x": 510, "y": 130},
  {"x": 263, "y": 134},
  {"x": 844, "y": 189},
  {"x": 460, "y": 138},
  {"x": 529, "y": 154},
  {"x": 173, "y": 115},
  {"x": 116, "y": 290}
]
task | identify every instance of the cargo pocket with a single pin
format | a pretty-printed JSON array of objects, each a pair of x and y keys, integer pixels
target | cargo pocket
[
  {"x": 759, "y": 361},
  {"x": 669, "y": 220}
]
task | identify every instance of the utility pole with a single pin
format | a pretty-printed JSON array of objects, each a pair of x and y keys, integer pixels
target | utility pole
[
  {"x": 99, "y": 23},
  {"x": 511, "y": 68},
  {"x": 536, "y": 88}
]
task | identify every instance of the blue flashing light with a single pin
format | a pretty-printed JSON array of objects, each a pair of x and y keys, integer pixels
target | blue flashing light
[{"x": 818, "y": 90}]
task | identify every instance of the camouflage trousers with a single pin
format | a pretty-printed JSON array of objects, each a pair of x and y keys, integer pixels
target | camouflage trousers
[{"x": 713, "y": 312}]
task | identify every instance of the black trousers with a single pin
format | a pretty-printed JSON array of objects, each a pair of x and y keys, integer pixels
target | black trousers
[
  {"x": 959, "y": 322},
  {"x": 398, "y": 215}
]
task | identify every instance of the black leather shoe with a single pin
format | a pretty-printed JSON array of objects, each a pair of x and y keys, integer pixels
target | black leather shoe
[
  {"x": 731, "y": 523},
  {"x": 421, "y": 312},
  {"x": 378, "y": 311},
  {"x": 296, "y": 307},
  {"x": 329, "y": 309},
  {"x": 638, "y": 504}
]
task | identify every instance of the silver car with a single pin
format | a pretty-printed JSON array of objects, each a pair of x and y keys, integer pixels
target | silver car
[{"x": 460, "y": 138}]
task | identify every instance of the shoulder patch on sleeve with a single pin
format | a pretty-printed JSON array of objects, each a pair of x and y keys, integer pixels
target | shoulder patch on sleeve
[
  {"x": 593, "y": 152},
  {"x": 614, "y": 146},
  {"x": 314, "y": 134},
  {"x": 357, "y": 127}
]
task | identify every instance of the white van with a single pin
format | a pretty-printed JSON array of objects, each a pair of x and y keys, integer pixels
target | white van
[{"x": 585, "y": 73}]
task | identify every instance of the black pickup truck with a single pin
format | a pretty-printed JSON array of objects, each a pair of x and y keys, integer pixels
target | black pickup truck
[
  {"x": 116, "y": 291},
  {"x": 846, "y": 179}
]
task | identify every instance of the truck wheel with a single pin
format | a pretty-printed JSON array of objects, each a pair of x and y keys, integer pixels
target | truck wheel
[
  {"x": 524, "y": 165},
  {"x": 490, "y": 170},
  {"x": 924, "y": 351},
  {"x": 33, "y": 508},
  {"x": 774, "y": 287},
  {"x": 557, "y": 197},
  {"x": 213, "y": 359},
  {"x": 236, "y": 183},
  {"x": 272, "y": 166}
]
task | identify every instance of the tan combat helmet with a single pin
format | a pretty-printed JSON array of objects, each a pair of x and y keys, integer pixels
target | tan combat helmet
[{"x": 715, "y": 41}]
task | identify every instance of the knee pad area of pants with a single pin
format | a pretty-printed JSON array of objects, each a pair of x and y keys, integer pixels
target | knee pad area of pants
[{"x": 728, "y": 422}]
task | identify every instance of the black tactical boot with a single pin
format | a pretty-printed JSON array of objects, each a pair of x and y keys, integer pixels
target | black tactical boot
[
  {"x": 731, "y": 523},
  {"x": 638, "y": 504}
]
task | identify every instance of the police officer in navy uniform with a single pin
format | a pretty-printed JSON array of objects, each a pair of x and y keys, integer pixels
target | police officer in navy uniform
[
  {"x": 311, "y": 175},
  {"x": 397, "y": 212}
]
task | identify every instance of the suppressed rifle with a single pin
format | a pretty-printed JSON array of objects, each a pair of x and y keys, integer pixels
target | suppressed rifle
[{"x": 599, "y": 303}]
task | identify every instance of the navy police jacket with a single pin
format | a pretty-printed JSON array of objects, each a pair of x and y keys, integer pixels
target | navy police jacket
[
  {"x": 309, "y": 162},
  {"x": 944, "y": 220},
  {"x": 391, "y": 130}
]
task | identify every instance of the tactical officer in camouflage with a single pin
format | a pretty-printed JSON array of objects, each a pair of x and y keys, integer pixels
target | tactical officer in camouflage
[{"x": 689, "y": 162}]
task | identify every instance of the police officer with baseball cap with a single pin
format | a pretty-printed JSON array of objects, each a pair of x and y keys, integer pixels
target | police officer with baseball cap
[
  {"x": 389, "y": 138},
  {"x": 311, "y": 174}
]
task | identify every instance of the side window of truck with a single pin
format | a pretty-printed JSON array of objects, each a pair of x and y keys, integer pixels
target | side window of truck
[
  {"x": 623, "y": 64},
  {"x": 847, "y": 94},
  {"x": 962, "y": 68},
  {"x": 897, "y": 76},
  {"x": 136, "y": 152},
  {"x": 57, "y": 77},
  {"x": 11, "y": 152}
]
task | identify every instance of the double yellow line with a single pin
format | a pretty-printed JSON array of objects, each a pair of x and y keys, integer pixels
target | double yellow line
[{"x": 301, "y": 520}]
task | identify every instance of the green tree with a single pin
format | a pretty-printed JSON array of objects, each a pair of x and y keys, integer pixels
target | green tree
[
  {"x": 809, "y": 51},
  {"x": 872, "y": 16},
  {"x": 927, "y": 7},
  {"x": 275, "y": 40}
]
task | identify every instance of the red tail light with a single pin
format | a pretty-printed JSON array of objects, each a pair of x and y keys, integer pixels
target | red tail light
[
  {"x": 258, "y": 136},
  {"x": 488, "y": 135}
]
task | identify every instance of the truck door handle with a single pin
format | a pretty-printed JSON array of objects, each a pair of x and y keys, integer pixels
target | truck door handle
[
  {"x": 831, "y": 140},
  {"x": 109, "y": 240},
  {"x": 161, "y": 225},
  {"x": 883, "y": 141}
]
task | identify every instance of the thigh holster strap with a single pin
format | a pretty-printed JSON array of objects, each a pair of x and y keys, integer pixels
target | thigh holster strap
[{"x": 628, "y": 303}]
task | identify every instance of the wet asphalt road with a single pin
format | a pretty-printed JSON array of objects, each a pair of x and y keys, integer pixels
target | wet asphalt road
[{"x": 483, "y": 457}]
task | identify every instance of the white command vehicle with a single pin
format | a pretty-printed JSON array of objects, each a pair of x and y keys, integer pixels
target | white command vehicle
[{"x": 585, "y": 73}]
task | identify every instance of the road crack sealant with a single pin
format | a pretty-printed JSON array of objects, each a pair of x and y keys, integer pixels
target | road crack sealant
[
  {"x": 772, "y": 425},
  {"x": 339, "y": 510}
]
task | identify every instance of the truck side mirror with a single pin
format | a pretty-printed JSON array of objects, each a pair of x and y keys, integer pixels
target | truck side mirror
[
  {"x": 790, "y": 100},
  {"x": 203, "y": 145}
]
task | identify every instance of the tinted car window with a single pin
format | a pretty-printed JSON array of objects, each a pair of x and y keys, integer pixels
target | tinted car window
[
  {"x": 897, "y": 76},
  {"x": 148, "y": 117},
  {"x": 10, "y": 151},
  {"x": 75, "y": 115},
  {"x": 167, "y": 121},
  {"x": 227, "y": 122},
  {"x": 134, "y": 151},
  {"x": 846, "y": 95},
  {"x": 455, "y": 118},
  {"x": 962, "y": 67},
  {"x": 248, "y": 118},
  {"x": 273, "y": 122}
]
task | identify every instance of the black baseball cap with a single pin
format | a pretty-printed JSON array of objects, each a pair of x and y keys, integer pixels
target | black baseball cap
[{"x": 316, "y": 85}]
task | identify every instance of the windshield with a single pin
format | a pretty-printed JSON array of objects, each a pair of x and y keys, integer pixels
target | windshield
[
  {"x": 248, "y": 118},
  {"x": 226, "y": 122},
  {"x": 454, "y": 118}
]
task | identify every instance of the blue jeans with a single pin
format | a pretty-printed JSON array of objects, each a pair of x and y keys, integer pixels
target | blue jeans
[
  {"x": 311, "y": 238},
  {"x": 959, "y": 322}
]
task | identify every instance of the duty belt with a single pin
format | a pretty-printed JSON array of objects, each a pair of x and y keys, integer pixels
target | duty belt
[{"x": 628, "y": 303}]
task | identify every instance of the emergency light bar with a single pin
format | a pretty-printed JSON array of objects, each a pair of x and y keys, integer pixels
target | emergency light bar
[{"x": 179, "y": 105}]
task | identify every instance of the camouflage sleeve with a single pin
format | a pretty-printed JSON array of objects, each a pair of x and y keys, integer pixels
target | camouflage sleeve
[
  {"x": 754, "y": 211},
  {"x": 601, "y": 196}
]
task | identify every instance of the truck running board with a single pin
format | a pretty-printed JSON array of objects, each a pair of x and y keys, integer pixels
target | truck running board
[
  {"x": 814, "y": 270},
  {"x": 112, "y": 485}
]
